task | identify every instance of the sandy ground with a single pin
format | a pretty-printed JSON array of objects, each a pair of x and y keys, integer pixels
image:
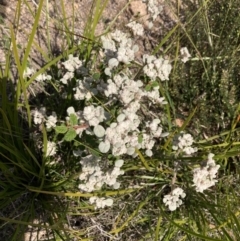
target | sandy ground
[
  {"x": 76, "y": 13},
  {"x": 51, "y": 16}
]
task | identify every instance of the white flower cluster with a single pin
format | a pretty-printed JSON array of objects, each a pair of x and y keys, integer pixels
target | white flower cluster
[
  {"x": 72, "y": 64},
  {"x": 94, "y": 115},
  {"x": 39, "y": 117},
  {"x": 94, "y": 178},
  {"x": 101, "y": 202},
  {"x": 51, "y": 148},
  {"x": 156, "y": 67},
  {"x": 43, "y": 77},
  {"x": 204, "y": 177},
  {"x": 184, "y": 143},
  {"x": 137, "y": 28},
  {"x": 123, "y": 135},
  {"x": 51, "y": 121},
  {"x": 185, "y": 55},
  {"x": 173, "y": 199},
  {"x": 28, "y": 72},
  {"x": 90, "y": 116},
  {"x": 84, "y": 89},
  {"x": 118, "y": 49},
  {"x": 154, "y": 8}
]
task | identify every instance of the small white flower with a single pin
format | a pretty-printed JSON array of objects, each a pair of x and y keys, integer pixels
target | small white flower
[
  {"x": 125, "y": 55},
  {"x": 66, "y": 77},
  {"x": 94, "y": 178},
  {"x": 111, "y": 88},
  {"x": 119, "y": 148},
  {"x": 137, "y": 28},
  {"x": 38, "y": 115},
  {"x": 185, "y": 55},
  {"x": 51, "y": 121},
  {"x": 108, "y": 43},
  {"x": 154, "y": 8},
  {"x": 28, "y": 72},
  {"x": 150, "y": 24},
  {"x": 92, "y": 200},
  {"x": 43, "y": 77},
  {"x": 184, "y": 143},
  {"x": 119, "y": 36},
  {"x": 94, "y": 115},
  {"x": 70, "y": 110},
  {"x": 51, "y": 148},
  {"x": 72, "y": 63},
  {"x": 154, "y": 124},
  {"x": 116, "y": 185},
  {"x": 173, "y": 199},
  {"x": 156, "y": 67},
  {"x": 164, "y": 68},
  {"x": 113, "y": 63},
  {"x": 204, "y": 177},
  {"x": 101, "y": 202},
  {"x": 84, "y": 90},
  {"x": 189, "y": 150}
]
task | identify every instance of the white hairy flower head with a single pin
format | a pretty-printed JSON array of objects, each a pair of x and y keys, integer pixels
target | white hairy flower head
[
  {"x": 173, "y": 200},
  {"x": 205, "y": 177}
]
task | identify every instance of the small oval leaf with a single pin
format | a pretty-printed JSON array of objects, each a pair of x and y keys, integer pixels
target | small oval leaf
[
  {"x": 73, "y": 119},
  {"x": 99, "y": 131},
  {"x": 61, "y": 129},
  {"x": 70, "y": 135},
  {"x": 104, "y": 147}
]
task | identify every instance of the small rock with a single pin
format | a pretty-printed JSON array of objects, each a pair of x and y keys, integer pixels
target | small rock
[{"x": 138, "y": 8}]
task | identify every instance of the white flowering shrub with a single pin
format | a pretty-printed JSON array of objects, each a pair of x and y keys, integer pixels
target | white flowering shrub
[
  {"x": 89, "y": 122},
  {"x": 112, "y": 127},
  {"x": 104, "y": 117}
]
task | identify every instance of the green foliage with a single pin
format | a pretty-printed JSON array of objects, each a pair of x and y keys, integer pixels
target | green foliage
[
  {"x": 151, "y": 85},
  {"x": 70, "y": 135},
  {"x": 73, "y": 120},
  {"x": 61, "y": 129}
]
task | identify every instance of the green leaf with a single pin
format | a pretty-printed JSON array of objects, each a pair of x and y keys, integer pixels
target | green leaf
[
  {"x": 151, "y": 85},
  {"x": 73, "y": 120},
  {"x": 61, "y": 129},
  {"x": 148, "y": 87},
  {"x": 96, "y": 76},
  {"x": 140, "y": 138},
  {"x": 70, "y": 135},
  {"x": 154, "y": 84}
]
